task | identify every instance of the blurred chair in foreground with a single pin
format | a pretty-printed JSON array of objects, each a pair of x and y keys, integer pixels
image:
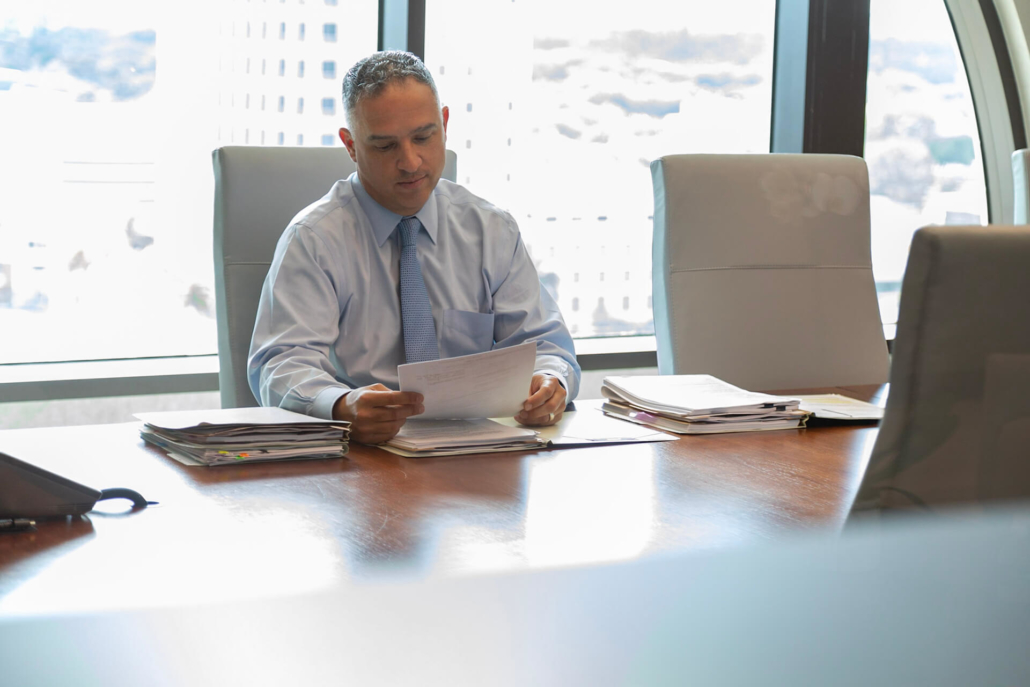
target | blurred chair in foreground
[
  {"x": 957, "y": 424},
  {"x": 258, "y": 191},
  {"x": 762, "y": 273}
]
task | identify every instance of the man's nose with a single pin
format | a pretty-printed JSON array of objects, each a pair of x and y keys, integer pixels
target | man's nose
[{"x": 409, "y": 160}]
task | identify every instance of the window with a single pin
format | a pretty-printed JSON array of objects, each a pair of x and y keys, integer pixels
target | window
[
  {"x": 328, "y": 139},
  {"x": 300, "y": 69},
  {"x": 300, "y": 106},
  {"x": 127, "y": 257},
  {"x": 922, "y": 143},
  {"x": 282, "y": 31},
  {"x": 329, "y": 106},
  {"x": 329, "y": 32},
  {"x": 282, "y": 67},
  {"x": 329, "y": 69},
  {"x": 282, "y": 103},
  {"x": 300, "y": 139},
  {"x": 300, "y": 31},
  {"x": 600, "y": 94}
]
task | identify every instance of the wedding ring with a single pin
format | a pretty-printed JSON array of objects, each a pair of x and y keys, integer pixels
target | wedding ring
[{"x": 550, "y": 418}]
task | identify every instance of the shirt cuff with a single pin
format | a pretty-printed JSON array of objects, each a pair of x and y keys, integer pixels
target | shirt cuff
[
  {"x": 552, "y": 373},
  {"x": 322, "y": 407}
]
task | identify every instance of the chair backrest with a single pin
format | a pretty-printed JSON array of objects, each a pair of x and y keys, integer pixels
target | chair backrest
[
  {"x": 1021, "y": 186},
  {"x": 258, "y": 191},
  {"x": 762, "y": 273},
  {"x": 957, "y": 423}
]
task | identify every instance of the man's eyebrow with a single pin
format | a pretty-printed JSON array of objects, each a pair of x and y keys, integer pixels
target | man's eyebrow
[{"x": 425, "y": 128}]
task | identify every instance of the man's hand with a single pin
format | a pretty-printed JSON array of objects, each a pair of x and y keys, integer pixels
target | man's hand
[
  {"x": 376, "y": 413},
  {"x": 545, "y": 404}
]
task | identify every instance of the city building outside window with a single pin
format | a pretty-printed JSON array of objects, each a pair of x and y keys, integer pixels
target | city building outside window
[
  {"x": 126, "y": 257},
  {"x": 572, "y": 105}
]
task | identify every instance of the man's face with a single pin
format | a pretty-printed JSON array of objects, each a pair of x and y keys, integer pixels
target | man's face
[{"x": 397, "y": 141}]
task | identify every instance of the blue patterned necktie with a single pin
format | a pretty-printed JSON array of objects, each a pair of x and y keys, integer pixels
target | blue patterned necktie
[{"x": 416, "y": 313}]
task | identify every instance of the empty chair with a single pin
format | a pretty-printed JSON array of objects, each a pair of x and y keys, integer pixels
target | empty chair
[
  {"x": 762, "y": 273},
  {"x": 957, "y": 423},
  {"x": 258, "y": 191}
]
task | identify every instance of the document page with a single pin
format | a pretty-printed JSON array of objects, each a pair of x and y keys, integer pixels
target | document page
[
  {"x": 491, "y": 384},
  {"x": 687, "y": 395},
  {"x": 837, "y": 407},
  {"x": 588, "y": 426},
  {"x": 434, "y": 434},
  {"x": 229, "y": 417}
]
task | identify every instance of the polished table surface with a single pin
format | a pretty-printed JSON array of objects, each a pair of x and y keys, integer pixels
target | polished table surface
[{"x": 247, "y": 531}]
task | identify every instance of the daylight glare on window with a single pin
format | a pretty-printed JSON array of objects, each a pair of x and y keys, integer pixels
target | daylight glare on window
[
  {"x": 558, "y": 107},
  {"x": 922, "y": 144},
  {"x": 110, "y": 111}
]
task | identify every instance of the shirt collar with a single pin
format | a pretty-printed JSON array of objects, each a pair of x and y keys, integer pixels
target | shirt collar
[{"x": 384, "y": 222}]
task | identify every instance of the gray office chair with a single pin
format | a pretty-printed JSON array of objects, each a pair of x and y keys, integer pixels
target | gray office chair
[
  {"x": 258, "y": 191},
  {"x": 957, "y": 424},
  {"x": 762, "y": 273},
  {"x": 1021, "y": 186}
]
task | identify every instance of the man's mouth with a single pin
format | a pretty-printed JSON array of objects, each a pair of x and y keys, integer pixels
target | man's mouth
[{"x": 410, "y": 182}]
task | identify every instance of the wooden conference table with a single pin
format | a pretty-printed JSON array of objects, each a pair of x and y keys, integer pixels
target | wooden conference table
[{"x": 258, "y": 530}]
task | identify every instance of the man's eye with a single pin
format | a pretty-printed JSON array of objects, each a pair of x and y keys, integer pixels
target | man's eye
[
  {"x": 384, "y": 148},
  {"x": 422, "y": 139}
]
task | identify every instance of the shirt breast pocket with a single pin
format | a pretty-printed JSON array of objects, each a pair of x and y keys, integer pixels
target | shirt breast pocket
[{"x": 466, "y": 332}]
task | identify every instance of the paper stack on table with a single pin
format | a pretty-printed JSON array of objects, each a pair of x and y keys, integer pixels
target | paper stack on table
[
  {"x": 697, "y": 404},
  {"x": 238, "y": 435},
  {"x": 428, "y": 438}
]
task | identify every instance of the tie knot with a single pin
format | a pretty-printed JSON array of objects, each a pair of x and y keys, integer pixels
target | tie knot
[{"x": 409, "y": 227}]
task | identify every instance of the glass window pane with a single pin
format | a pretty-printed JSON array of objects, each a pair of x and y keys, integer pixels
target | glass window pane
[
  {"x": 922, "y": 143},
  {"x": 557, "y": 117},
  {"x": 110, "y": 111}
]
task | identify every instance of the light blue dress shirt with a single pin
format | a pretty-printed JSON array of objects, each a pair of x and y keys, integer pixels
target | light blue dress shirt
[{"x": 329, "y": 318}]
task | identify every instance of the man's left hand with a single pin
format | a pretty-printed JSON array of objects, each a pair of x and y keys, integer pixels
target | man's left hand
[{"x": 545, "y": 404}]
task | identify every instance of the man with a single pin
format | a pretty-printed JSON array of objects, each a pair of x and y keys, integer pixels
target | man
[{"x": 395, "y": 265}]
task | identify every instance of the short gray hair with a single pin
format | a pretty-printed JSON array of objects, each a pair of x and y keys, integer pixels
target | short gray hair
[{"x": 371, "y": 75}]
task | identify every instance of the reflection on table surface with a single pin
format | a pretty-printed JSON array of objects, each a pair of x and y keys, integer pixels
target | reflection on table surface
[{"x": 244, "y": 531}]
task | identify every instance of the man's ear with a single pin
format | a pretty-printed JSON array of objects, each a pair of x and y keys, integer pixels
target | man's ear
[
  {"x": 348, "y": 141},
  {"x": 446, "y": 114}
]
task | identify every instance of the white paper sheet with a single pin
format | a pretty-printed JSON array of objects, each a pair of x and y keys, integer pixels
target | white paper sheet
[
  {"x": 491, "y": 384},
  {"x": 588, "y": 426},
  {"x": 249, "y": 417},
  {"x": 434, "y": 434},
  {"x": 837, "y": 407}
]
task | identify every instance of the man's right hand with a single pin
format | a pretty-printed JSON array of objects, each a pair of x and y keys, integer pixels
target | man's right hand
[{"x": 376, "y": 413}]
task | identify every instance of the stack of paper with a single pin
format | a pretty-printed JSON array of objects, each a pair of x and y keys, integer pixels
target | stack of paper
[
  {"x": 236, "y": 435},
  {"x": 697, "y": 404},
  {"x": 426, "y": 438}
]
